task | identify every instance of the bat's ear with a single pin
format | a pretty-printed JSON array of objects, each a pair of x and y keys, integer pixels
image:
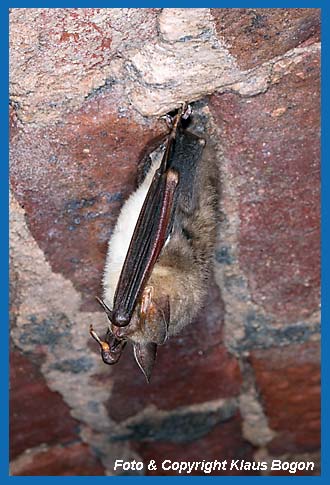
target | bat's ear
[
  {"x": 105, "y": 308},
  {"x": 145, "y": 356}
]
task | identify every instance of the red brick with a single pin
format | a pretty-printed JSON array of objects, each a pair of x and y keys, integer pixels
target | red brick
[
  {"x": 37, "y": 414},
  {"x": 254, "y": 36},
  {"x": 293, "y": 409},
  {"x": 274, "y": 159}
]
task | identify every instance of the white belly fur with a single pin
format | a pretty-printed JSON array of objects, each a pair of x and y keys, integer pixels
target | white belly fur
[{"x": 121, "y": 237}]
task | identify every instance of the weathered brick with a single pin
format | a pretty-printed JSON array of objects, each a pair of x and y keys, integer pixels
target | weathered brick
[
  {"x": 52, "y": 423},
  {"x": 60, "y": 57},
  {"x": 257, "y": 35},
  {"x": 75, "y": 146},
  {"x": 273, "y": 147},
  {"x": 289, "y": 382}
]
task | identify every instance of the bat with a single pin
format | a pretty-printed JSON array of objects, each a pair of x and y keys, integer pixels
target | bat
[{"x": 160, "y": 253}]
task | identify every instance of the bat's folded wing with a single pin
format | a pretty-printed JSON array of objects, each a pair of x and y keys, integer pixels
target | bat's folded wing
[{"x": 151, "y": 231}]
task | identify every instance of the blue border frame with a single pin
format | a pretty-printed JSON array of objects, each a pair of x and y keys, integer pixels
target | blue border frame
[
  {"x": 4, "y": 242},
  {"x": 168, "y": 4},
  {"x": 325, "y": 271}
]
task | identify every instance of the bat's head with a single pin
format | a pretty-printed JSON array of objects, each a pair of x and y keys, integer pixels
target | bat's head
[
  {"x": 147, "y": 329},
  {"x": 111, "y": 348}
]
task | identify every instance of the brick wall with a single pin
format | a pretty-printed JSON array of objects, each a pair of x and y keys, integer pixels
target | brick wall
[{"x": 88, "y": 87}]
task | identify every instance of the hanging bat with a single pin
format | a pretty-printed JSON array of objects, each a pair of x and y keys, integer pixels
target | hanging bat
[{"x": 160, "y": 253}]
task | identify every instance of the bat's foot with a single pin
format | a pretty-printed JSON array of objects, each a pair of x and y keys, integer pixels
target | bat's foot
[
  {"x": 154, "y": 316},
  {"x": 186, "y": 110},
  {"x": 104, "y": 345},
  {"x": 169, "y": 121}
]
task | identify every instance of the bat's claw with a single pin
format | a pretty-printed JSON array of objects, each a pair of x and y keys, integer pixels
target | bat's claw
[
  {"x": 168, "y": 120},
  {"x": 186, "y": 110}
]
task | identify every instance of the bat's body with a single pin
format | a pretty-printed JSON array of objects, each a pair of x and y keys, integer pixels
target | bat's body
[{"x": 159, "y": 258}]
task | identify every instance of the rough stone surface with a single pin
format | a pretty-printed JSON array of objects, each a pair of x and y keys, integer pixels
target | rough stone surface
[
  {"x": 255, "y": 427},
  {"x": 87, "y": 87},
  {"x": 103, "y": 46},
  {"x": 183, "y": 425},
  {"x": 277, "y": 172},
  {"x": 49, "y": 325},
  {"x": 59, "y": 57}
]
